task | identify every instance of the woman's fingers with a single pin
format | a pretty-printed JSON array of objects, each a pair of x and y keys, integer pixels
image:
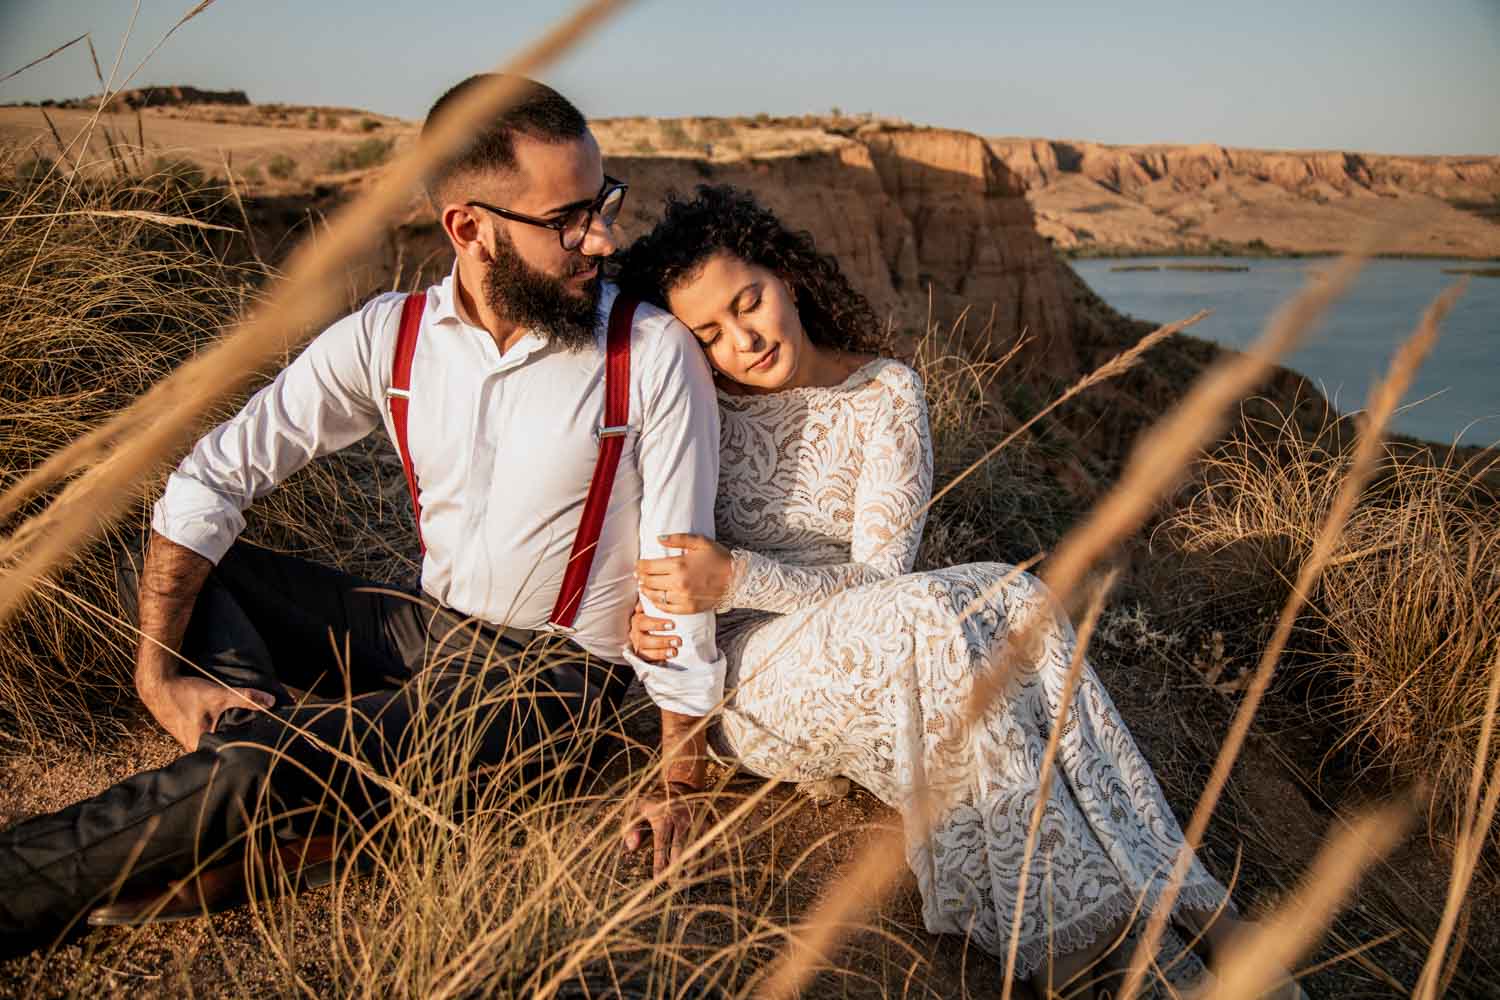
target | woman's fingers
[
  {"x": 655, "y": 647},
  {"x": 659, "y": 567},
  {"x": 674, "y": 603},
  {"x": 686, "y": 540}
]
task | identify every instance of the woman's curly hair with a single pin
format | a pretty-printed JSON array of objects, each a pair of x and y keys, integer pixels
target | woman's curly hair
[{"x": 722, "y": 218}]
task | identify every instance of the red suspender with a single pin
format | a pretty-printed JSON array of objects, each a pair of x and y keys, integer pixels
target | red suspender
[
  {"x": 400, "y": 394},
  {"x": 611, "y": 441}
]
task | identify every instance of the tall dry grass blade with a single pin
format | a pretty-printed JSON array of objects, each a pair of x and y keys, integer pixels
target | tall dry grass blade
[
  {"x": 120, "y": 454},
  {"x": 62, "y": 147},
  {"x": 94, "y": 58},
  {"x": 125, "y": 213},
  {"x": 1112, "y": 368},
  {"x": 861, "y": 889},
  {"x": 1250, "y": 968},
  {"x": 1383, "y": 400},
  {"x": 1472, "y": 835},
  {"x": 192, "y": 12},
  {"x": 41, "y": 59},
  {"x": 1156, "y": 461},
  {"x": 1166, "y": 449},
  {"x": 625, "y": 911},
  {"x": 1044, "y": 775}
]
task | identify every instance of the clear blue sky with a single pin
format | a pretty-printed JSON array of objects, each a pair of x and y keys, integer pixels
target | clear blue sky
[{"x": 1412, "y": 76}]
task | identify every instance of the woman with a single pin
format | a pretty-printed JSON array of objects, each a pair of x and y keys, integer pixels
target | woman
[{"x": 842, "y": 661}]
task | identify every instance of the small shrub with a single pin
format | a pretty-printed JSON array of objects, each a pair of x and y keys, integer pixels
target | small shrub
[
  {"x": 368, "y": 124},
  {"x": 251, "y": 174},
  {"x": 717, "y": 128},
  {"x": 312, "y": 119},
  {"x": 674, "y": 136},
  {"x": 361, "y": 156},
  {"x": 183, "y": 173},
  {"x": 281, "y": 166},
  {"x": 36, "y": 169},
  {"x": 644, "y": 146}
]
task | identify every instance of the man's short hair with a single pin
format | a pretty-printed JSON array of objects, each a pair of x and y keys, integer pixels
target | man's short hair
[{"x": 538, "y": 112}]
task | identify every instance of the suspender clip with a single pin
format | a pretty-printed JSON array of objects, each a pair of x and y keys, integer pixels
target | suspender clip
[{"x": 610, "y": 432}]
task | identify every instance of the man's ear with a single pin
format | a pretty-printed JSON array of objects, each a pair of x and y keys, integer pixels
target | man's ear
[{"x": 464, "y": 230}]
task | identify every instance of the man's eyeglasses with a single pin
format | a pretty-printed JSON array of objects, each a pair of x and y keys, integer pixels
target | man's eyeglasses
[{"x": 573, "y": 227}]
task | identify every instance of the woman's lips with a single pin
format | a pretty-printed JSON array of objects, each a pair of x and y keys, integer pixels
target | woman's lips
[{"x": 766, "y": 360}]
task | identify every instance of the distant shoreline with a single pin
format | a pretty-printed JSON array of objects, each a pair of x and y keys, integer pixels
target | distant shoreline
[{"x": 1245, "y": 251}]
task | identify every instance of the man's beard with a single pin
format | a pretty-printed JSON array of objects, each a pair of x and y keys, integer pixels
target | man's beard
[{"x": 540, "y": 302}]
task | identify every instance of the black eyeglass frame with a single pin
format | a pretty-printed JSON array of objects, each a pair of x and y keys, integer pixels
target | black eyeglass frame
[{"x": 611, "y": 185}]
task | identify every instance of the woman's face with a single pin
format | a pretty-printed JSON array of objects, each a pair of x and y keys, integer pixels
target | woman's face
[{"x": 746, "y": 320}]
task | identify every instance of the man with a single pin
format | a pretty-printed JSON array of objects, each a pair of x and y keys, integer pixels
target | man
[{"x": 504, "y": 410}]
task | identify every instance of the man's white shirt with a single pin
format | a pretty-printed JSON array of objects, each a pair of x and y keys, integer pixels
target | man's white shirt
[{"x": 504, "y": 449}]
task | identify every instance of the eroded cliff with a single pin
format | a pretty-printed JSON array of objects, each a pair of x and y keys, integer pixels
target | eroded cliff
[{"x": 1090, "y": 196}]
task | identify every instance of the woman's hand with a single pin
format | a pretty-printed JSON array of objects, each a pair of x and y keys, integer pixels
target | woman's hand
[
  {"x": 695, "y": 581},
  {"x": 656, "y": 648}
]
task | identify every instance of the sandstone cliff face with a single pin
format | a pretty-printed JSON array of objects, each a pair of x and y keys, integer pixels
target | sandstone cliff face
[
  {"x": 903, "y": 211},
  {"x": 1140, "y": 198}
]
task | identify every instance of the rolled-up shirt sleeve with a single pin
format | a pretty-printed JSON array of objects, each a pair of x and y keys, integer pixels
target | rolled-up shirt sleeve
[
  {"x": 678, "y": 455},
  {"x": 321, "y": 402}
]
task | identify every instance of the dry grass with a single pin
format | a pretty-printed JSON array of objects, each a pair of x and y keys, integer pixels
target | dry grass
[
  {"x": 94, "y": 310},
  {"x": 1405, "y": 620},
  {"x": 525, "y": 892},
  {"x": 111, "y": 285},
  {"x": 510, "y": 882}
]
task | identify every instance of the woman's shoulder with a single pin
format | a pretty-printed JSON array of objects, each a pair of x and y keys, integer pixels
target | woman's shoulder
[{"x": 888, "y": 376}]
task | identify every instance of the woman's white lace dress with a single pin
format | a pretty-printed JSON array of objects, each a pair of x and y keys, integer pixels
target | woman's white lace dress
[{"x": 844, "y": 662}]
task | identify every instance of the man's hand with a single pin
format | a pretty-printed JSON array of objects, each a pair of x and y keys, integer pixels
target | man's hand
[
  {"x": 670, "y": 819},
  {"x": 670, "y": 816},
  {"x": 188, "y": 707}
]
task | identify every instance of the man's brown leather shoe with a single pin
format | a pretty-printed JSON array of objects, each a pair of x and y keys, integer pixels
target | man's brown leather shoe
[{"x": 305, "y": 863}]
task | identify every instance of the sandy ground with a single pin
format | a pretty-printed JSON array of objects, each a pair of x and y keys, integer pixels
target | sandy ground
[{"x": 204, "y": 142}]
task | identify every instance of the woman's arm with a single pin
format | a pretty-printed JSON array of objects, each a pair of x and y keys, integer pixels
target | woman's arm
[{"x": 889, "y": 509}]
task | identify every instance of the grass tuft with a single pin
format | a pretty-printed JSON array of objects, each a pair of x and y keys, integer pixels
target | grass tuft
[{"x": 1405, "y": 621}]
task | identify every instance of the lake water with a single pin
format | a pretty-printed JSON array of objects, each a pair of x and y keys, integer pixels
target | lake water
[{"x": 1457, "y": 392}]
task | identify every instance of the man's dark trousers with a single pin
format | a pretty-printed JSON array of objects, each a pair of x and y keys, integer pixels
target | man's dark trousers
[{"x": 270, "y": 621}]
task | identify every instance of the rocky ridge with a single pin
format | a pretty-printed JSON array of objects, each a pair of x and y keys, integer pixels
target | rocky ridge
[{"x": 1094, "y": 197}]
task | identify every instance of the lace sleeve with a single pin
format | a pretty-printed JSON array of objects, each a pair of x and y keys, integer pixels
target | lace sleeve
[{"x": 890, "y": 494}]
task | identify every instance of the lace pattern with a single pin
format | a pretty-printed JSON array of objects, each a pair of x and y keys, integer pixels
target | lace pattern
[{"x": 865, "y": 670}]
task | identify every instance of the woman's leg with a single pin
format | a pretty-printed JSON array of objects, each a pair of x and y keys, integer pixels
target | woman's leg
[{"x": 873, "y": 684}]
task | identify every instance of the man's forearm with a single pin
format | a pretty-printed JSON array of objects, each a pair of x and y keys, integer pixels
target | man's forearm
[
  {"x": 170, "y": 582},
  {"x": 684, "y": 748}
]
